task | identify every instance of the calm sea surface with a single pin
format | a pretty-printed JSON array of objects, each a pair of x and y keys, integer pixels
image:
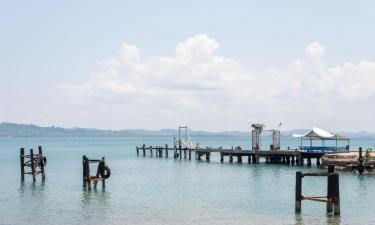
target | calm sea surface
[{"x": 167, "y": 191}]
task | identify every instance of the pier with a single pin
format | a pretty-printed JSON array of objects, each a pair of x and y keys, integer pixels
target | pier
[{"x": 287, "y": 157}]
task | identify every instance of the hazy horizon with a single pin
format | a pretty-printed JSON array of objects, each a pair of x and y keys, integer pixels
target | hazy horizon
[{"x": 214, "y": 66}]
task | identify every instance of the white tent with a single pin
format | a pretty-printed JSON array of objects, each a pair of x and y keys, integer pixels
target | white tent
[{"x": 319, "y": 134}]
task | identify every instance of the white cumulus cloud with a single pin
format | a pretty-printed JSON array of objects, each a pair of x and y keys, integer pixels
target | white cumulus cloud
[{"x": 198, "y": 85}]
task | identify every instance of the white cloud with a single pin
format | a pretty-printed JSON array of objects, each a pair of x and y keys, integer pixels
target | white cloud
[
  {"x": 315, "y": 51},
  {"x": 198, "y": 86}
]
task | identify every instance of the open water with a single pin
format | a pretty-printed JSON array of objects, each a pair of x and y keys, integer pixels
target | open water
[{"x": 167, "y": 191}]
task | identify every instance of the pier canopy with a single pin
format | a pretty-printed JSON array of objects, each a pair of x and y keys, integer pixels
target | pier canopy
[{"x": 323, "y": 136}]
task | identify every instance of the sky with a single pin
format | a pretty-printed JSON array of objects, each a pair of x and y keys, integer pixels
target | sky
[{"x": 212, "y": 65}]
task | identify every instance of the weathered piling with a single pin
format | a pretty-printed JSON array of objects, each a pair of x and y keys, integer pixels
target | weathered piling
[
  {"x": 22, "y": 163},
  {"x": 360, "y": 166},
  {"x": 332, "y": 199},
  {"x": 103, "y": 172},
  {"x": 166, "y": 151},
  {"x": 36, "y": 163}
]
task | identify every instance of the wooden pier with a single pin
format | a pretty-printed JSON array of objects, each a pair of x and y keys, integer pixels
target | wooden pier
[{"x": 288, "y": 156}]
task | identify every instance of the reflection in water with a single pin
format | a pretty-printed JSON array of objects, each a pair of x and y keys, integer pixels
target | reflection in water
[
  {"x": 31, "y": 186},
  {"x": 95, "y": 206},
  {"x": 324, "y": 219}
]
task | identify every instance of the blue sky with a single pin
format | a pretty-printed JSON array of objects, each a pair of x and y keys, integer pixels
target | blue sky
[{"x": 49, "y": 50}]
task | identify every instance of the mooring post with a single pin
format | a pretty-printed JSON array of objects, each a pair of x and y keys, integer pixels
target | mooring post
[
  {"x": 330, "y": 186},
  {"x": 298, "y": 192},
  {"x": 221, "y": 157},
  {"x": 151, "y": 151},
  {"x": 144, "y": 150},
  {"x": 166, "y": 150},
  {"x": 239, "y": 159},
  {"x": 360, "y": 166},
  {"x": 292, "y": 160},
  {"x": 336, "y": 194},
  {"x": 185, "y": 152},
  {"x": 41, "y": 161},
  {"x": 180, "y": 152},
  {"x": 32, "y": 164},
  {"x": 22, "y": 162},
  {"x": 175, "y": 152},
  {"x": 208, "y": 156},
  {"x": 230, "y": 158},
  {"x": 102, "y": 165},
  {"x": 84, "y": 170},
  {"x": 309, "y": 161},
  {"x": 189, "y": 154},
  {"x": 249, "y": 159}
]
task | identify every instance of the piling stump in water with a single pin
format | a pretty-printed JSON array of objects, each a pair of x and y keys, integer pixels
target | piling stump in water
[
  {"x": 333, "y": 191},
  {"x": 36, "y": 163},
  {"x": 103, "y": 172}
]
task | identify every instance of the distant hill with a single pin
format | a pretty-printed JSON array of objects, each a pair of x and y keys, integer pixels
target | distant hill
[{"x": 31, "y": 130}]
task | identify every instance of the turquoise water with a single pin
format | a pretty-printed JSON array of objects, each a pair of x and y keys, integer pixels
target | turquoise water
[{"x": 167, "y": 191}]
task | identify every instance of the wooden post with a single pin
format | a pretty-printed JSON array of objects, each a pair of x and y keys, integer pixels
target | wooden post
[
  {"x": 336, "y": 194},
  {"x": 144, "y": 150},
  {"x": 22, "y": 162},
  {"x": 41, "y": 162},
  {"x": 137, "y": 151},
  {"x": 189, "y": 154},
  {"x": 309, "y": 161},
  {"x": 230, "y": 158},
  {"x": 360, "y": 166},
  {"x": 221, "y": 157},
  {"x": 329, "y": 206},
  {"x": 166, "y": 151},
  {"x": 249, "y": 159},
  {"x": 185, "y": 153},
  {"x": 298, "y": 192},
  {"x": 151, "y": 151},
  {"x": 32, "y": 164},
  {"x": 103, "y": 181},
  {"x": 180, "y": 152},
  {"x": 84, "y": 174},
  {"x": 239, "y": 159},
  {"x": 175, "y": 152},
  {"x": 318, "y": 161},
  {"x": 208, "y": 156},
  {"x": 292, "y": 160}
]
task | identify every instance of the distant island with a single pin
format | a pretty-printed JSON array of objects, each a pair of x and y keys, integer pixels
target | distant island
[{"x": 31, "y": 130}]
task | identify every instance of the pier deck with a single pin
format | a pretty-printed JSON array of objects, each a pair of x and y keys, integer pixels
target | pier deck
[{"x": 287, "y": 156}]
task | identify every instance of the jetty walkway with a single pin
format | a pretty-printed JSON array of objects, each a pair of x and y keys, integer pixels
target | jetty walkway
[{"x": 287, "y": 156}]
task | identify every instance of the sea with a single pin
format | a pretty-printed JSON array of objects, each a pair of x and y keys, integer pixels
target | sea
[{"x": 167, "y": 191}]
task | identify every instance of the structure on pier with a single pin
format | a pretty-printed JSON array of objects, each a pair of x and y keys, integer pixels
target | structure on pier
[
  {"x": 256, "y": 137},
  {"x": 184, "y": 139},
  {"x": 36, "y": 163},
  {"x": 322, "y": 136}
]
